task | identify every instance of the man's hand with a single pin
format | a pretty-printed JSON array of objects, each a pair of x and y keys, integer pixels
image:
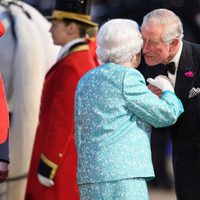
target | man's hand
[
  {"x": 3, "y": 171},
  {"x": 161, "y": 82},
  {"x": 155, "y": 90}
]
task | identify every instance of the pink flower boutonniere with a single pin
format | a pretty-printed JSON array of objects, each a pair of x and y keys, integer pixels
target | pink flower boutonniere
[{"x": 189, "y": 74}]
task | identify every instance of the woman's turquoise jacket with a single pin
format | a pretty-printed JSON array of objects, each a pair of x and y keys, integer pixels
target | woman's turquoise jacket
[{"x": 114, "y": 112}]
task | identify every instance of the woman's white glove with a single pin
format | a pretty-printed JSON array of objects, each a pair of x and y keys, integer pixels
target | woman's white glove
[
  {"x": 161, "y": 82},
  {"x": 45, "y": 181}
]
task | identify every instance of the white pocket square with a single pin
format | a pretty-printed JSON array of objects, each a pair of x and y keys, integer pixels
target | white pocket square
[{"x": 193, "y": 92}]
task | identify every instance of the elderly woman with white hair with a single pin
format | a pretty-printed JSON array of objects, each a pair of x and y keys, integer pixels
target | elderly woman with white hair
[{"x": 114, "y": 111}]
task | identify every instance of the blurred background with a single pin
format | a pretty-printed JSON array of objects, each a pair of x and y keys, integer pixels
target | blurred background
[
  {"x": 189, "y": 12},
  {"x": 103, "y": 10}
]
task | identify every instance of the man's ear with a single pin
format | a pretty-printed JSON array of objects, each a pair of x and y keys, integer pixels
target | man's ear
[
  {"x": 174, "y": 44},
  {"x": 72, "y": 27}
]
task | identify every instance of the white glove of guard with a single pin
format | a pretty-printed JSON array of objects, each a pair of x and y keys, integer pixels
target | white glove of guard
[
  {"x": 161, "y": 82},
  {"x": 45, "y": 181}
]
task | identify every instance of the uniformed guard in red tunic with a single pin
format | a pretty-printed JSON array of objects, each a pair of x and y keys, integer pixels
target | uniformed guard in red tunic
[
  {"x": 91, "y": 39},
  {"x": 4, "y": 119},
  {"x": 4, "y": 126},
  {"x": 52, "y": 174}
]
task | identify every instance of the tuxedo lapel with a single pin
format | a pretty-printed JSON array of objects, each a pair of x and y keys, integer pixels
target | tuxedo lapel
[{"x": 183, "y": 80}]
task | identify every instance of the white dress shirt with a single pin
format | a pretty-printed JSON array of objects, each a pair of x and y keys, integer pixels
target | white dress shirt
[{"x": 176, "y": 60}]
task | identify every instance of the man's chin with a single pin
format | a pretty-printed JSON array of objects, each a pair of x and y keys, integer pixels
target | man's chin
[{"x": 150, "y": 62}]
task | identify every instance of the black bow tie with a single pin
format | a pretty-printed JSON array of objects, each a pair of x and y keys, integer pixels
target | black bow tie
[{"x": 171, "y": 68}]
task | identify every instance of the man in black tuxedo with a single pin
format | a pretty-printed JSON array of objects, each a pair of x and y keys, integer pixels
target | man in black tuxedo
[{"x": 162, "y": 32}]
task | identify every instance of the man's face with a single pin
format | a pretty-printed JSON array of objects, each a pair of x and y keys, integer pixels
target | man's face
[
  {"x": 155, "y": 50},
  {"x": 59, "y": 32}
]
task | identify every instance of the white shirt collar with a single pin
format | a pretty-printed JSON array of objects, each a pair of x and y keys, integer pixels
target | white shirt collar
[
  {"x": 67, "y": 46},
  {"x": 176, "y": 58}
]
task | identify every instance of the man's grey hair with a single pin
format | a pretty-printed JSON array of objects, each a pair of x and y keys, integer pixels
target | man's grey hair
[
  {"x": 172, "y": 24},
  {"x": 118, "y": 40}
]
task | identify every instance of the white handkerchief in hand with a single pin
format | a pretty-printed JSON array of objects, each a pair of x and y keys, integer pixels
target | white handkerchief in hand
[{"x": 194, "y": 92}]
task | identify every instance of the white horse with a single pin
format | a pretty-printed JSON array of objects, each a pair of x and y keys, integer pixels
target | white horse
[{"x": 26, "y": 54}]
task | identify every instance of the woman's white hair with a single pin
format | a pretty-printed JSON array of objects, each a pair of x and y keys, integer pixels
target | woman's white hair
[
  {"x": 172, "y": 24},
  {"x": 118, "y": 40}
]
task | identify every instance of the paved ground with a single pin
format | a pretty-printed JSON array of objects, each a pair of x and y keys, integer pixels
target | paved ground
[{"x": 162, "y": 195}]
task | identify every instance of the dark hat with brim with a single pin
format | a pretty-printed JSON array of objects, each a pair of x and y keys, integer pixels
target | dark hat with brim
[
  {"x": 60, "y": 15},
  {"x": 2, "y": 29},
  {"x": 78, "y": 10}
]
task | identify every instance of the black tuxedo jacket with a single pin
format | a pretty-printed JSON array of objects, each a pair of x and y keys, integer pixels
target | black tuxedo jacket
[{"x": 185, "y": 133}]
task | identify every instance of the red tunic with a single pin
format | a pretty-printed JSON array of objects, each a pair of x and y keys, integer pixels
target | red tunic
[
  {"x": 55, "y": 132},
  {"x": 4, "y": 118},
  {"x": 2, "y": 29},
  {"x": 92, "y": 42}
]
